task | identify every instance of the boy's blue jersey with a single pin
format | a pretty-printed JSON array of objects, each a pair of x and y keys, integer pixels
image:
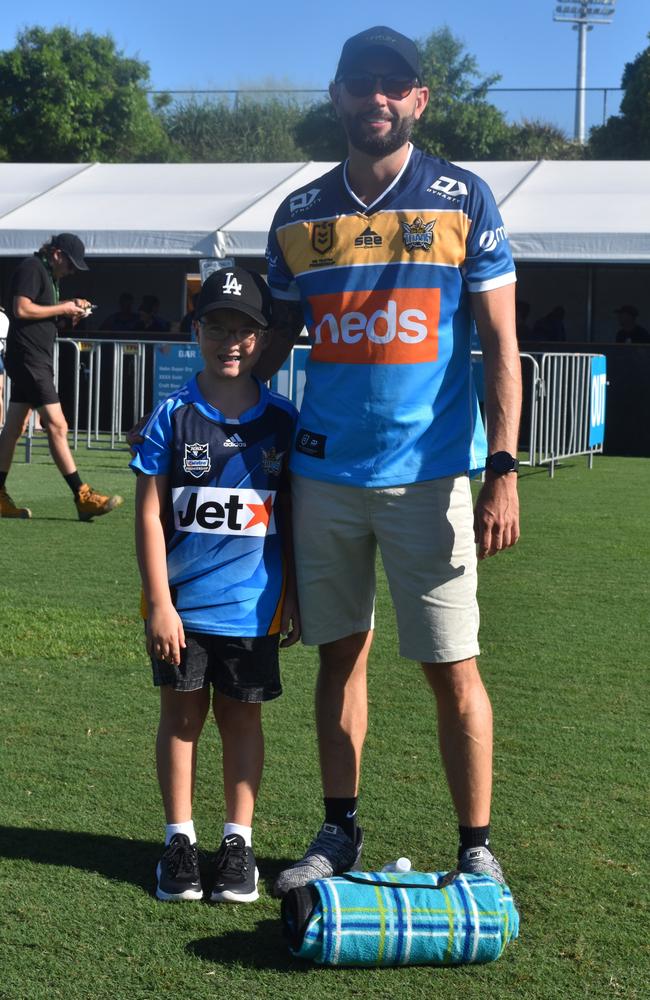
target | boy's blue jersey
[
  {"x": 224, "y": 550},
  {"x": 385, "y": 290}
]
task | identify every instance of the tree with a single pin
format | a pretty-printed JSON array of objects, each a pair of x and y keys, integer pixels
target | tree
[
  {"x": 627, "y": 136},
  {"x": 459, "y": 123},
  {"x": 537, "y": 140},
  {"x": 254, "y": 131},
  {"x": 68, "y": 97}
]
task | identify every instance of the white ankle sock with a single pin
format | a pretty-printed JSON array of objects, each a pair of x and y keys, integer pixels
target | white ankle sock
[
  {"x": 187, "y": 828},
  {"x": 244, "y": 831}
]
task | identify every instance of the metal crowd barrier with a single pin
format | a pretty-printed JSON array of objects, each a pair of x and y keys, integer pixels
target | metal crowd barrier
[
  {"x": 564, "y": 409},
  {"x": 557, "y": 391}
]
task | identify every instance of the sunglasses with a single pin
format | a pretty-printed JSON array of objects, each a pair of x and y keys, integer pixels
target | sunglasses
[
  {"x": 393, "y": 85},
  {"x": 246, "y": 334}
]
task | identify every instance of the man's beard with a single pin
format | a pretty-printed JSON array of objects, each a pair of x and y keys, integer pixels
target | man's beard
[{"x": 378, "y": 145}]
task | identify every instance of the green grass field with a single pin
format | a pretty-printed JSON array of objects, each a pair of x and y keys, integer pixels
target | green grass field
[{"x": 565, "y": 650}]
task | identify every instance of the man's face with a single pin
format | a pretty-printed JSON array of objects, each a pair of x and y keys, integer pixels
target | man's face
[
  {"x": 62, "y": 266},
  {"x": 378, "y": 124}
]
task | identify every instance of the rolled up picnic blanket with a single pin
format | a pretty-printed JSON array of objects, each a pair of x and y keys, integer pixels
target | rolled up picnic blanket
[{"x": 386, "y": 919}]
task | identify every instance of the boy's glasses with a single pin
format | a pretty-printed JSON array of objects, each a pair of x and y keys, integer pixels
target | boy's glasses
[
  {"x": 392, "y": 85},
  {"x": 244, "y": 335}
]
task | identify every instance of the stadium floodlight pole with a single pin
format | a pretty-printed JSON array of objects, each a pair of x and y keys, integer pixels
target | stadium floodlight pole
[{"x": 583, "y": 14}]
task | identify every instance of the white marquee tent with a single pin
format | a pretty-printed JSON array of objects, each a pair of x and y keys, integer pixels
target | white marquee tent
[{"x": 568, "y": 211}]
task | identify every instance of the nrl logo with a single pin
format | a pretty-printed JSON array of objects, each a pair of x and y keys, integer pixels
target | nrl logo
[
  {"x": 272, "y": 461},
  {"x": 322, "y": 237},
  {"x": 418, "y": 235},
  {"x": 197, "y": 459}
]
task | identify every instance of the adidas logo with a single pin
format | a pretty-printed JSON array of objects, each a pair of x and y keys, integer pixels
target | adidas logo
[
  {"x": 234, "y": 441},
  {"x": 368, "y": 238}
]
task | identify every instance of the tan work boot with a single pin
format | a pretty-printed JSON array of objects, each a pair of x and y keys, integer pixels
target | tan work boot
[
  {"x": 8, "y": 507},
  {"x": 91, "y": 504}
]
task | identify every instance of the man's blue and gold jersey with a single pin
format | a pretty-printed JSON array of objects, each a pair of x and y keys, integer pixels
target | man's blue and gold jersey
[
  {"x": 224, "y": 550},
  {"x": 385, "y": 290}
]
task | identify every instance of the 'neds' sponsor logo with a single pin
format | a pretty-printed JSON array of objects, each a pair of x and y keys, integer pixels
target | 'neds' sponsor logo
[
  {"x": 393, "y": 326},
  {"x": 223, "y": 511}
]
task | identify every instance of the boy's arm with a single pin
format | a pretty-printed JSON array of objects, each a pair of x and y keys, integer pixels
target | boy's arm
[
  {"x": 290, "y": 625},
  {"x": 165, "y": 634}
]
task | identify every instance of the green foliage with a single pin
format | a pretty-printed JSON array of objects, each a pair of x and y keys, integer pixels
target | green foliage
[
  {"x": 253, "y": 131},
  {"x": 72, "y": 97},
  {"x": 627, "y": 136},
  {"x": 320, "y": 134},
  {"x": 537, "y": 140},
  {"x": 458, "y": 123}
]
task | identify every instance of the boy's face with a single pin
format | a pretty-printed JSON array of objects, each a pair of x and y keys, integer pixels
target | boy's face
[{"x": 230, "y": 342}]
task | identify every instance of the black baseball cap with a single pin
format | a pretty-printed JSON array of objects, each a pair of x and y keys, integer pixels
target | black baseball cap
[
  {"x": 72, "y": 247},
  {"x": 628, "y": 310},
  {"x": 239, "y": 289},
  {"x": 379, "y": 37}
]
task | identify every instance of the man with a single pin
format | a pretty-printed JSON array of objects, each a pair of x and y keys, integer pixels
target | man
[
  {"x": 386, "y": 259},
  {"x": 35, "y": 308},
  {"x": 630, "y": 331},
  {"x": 125, "y": 320}
]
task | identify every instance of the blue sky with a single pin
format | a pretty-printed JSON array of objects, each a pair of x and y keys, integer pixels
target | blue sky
[{"x": 217, "y": 45}]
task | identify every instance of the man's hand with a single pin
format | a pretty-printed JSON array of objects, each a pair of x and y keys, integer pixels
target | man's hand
[
  {"x": 71, "y": 307},
  {"x": 134, "y": 435},
  {"x": 290, "y": 624},
  {"x": 496, "y": 514}
]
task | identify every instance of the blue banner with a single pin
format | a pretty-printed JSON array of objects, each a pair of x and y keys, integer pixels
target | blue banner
[
  {"x": 597, "y": 401},
  {"x": 173, "y": 366}
]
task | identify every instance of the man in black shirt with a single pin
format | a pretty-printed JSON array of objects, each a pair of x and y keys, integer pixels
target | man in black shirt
[
  {"x": 34, "y": 308},
  {"x": 630, "y": 332}
]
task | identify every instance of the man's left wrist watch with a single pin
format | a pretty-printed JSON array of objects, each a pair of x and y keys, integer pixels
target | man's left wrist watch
[{"x": 502, "y": 462}]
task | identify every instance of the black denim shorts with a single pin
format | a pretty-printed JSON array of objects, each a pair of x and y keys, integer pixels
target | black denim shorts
[{"x": 245, "y": 668}]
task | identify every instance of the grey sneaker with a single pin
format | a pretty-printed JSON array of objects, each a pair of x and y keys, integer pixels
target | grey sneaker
[
  {"x": 480, "y": 861},
  {"x": 330, "y": 853}
]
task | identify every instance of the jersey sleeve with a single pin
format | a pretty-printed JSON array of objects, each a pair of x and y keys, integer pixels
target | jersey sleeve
[
  {"x": 282, "y": 282},
  {"x": 154, "y": 456},
  {"x": 488, "y": 263}
]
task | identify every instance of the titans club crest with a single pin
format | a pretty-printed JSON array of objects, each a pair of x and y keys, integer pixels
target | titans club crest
[{"x": 418, "y": 235}]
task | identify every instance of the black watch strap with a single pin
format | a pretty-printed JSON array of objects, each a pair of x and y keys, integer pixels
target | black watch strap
[{"x": 502, "y": 462}]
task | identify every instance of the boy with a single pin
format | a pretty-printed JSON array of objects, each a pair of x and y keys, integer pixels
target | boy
[{"x": 214, "y": 549}]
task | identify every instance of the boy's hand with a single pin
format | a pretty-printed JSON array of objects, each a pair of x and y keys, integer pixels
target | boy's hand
[
  {"x": 290, "y": 624},
  {"x": 165, "y": 635}
]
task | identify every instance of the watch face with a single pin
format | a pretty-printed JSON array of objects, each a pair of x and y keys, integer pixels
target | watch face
[{"x": 502, "y": 461}]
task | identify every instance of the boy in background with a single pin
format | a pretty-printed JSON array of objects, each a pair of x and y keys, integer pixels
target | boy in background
[{"x": 213, "y": 541}]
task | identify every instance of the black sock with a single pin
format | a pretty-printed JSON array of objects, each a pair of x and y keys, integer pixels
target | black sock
[
  {"x": 73, "y": 479},
  {"x": 473, "y": 836},
  {"x": 3, "y": 479},
  {"x": 343, "y": 812}
]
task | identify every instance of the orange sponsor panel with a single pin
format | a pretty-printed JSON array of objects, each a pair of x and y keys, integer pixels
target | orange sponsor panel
[{"x": 393, "y": 326}]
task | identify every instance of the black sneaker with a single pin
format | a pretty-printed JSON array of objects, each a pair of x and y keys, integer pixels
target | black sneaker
[
  {"x": 178, "y": 871},
  {"x": 237, "y": 872}
]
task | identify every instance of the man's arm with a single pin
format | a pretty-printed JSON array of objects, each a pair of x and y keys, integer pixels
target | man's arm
[
  {"x": 24, "y": 308},
  {"x": 286, "y": 323},
  {"x": 496, "y": 515}
]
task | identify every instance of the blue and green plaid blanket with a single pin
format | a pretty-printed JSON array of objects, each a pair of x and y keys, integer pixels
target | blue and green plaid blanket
[{"x": 416, "y": 918}]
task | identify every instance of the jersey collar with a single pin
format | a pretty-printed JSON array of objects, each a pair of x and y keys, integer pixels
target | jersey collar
[{"x": 367, "y": 209}]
